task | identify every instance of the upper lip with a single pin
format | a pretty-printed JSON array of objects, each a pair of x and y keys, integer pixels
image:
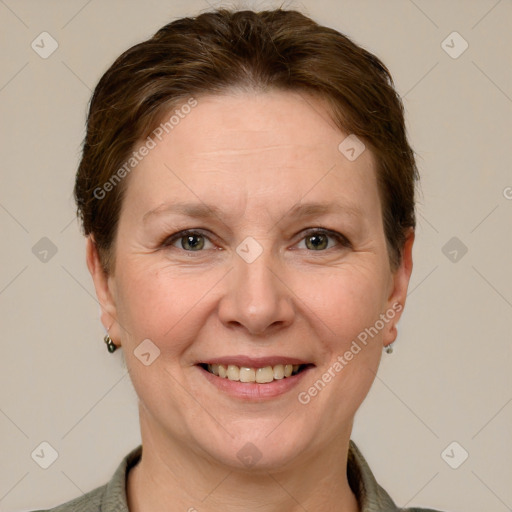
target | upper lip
[{"x": 254, "y": 362}]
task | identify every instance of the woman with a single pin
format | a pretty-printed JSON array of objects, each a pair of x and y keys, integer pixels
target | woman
[{"x": 247, "y": 193}]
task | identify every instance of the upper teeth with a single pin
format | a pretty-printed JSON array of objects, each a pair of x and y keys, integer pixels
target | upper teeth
[{"x": 260, "y": 375}]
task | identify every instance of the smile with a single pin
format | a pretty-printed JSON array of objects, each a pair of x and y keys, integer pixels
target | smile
[{"x": 262, "y": 375}]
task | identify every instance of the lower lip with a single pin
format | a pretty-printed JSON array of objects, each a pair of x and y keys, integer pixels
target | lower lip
[{"x": 253, "y": 390}]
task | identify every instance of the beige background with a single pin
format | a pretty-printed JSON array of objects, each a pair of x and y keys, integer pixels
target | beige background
[{"x": 449, "y": 378}]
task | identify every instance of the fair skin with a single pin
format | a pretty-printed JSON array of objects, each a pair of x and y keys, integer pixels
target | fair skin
[{"x": 255, "y": 157}]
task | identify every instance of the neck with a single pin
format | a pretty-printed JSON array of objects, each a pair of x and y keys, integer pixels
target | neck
[{"x": 172, "y": 477}]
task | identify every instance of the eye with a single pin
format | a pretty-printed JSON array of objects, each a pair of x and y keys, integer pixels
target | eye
[
  {"x": 322, "y": 239},
  {"x": 315, "y": 240},
  {"x": 192, "y": 241}
]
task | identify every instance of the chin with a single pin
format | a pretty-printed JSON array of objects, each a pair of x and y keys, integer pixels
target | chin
[{"x": 257, "y": 450}]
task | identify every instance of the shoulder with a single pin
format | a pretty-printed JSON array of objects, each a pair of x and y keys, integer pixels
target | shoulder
[
  {"x": 370, "y": 495},
  {"x": 110, "y": 497},
  {"x": 419, "y": 510},
  {"x": 90, "y": 502}
]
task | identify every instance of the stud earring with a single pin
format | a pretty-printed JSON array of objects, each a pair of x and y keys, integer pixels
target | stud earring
[
  {"x": 389, "y": 348},
  {"x": 111, "y": 347}
]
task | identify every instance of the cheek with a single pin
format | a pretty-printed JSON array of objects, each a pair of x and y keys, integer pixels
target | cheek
[
  {"x": 346, "y": 300},
  {"x": 161, "y": 303}
]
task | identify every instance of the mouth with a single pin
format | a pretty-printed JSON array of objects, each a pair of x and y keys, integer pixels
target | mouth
[{"x": 257, "y": 374}]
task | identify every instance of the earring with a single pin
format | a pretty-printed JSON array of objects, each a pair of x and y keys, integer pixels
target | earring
[
  {"x": 111, "y": 347},
  {"x": 389, "y": 348}
]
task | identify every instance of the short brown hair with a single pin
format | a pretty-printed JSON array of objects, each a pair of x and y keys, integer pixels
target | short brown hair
[{"x": 222, "y": 49}]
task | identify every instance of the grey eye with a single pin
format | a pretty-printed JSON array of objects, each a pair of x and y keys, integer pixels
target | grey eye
[
  {"x": 192, "y": 242},
  {"x": 317, "y": 242}
]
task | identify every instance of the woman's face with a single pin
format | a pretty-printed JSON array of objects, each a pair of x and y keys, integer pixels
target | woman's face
[{"x": 284, "y": 263}]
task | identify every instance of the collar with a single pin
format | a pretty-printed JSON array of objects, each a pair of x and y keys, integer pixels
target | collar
[{"x": 371, "y": 497}]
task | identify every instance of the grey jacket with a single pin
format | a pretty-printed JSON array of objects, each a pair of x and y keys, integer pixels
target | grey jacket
[{"x": 112, "y": 496}]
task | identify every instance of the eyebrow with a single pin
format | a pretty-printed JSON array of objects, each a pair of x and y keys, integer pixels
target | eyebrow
[
  {"x": 196, "y": 210},
  {"x": 311, "y": 209},
  {"x": 204, "y": 211}
]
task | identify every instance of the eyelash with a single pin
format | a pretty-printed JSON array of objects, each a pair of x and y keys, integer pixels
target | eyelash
[{"x": 341, "y": 239}]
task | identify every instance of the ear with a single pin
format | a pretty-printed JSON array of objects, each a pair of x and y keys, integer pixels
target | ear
[
  {"x": 398, "y": 293},
  {"x": 103, "y": 284}
]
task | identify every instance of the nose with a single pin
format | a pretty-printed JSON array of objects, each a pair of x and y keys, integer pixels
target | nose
[{"x": 257, "y": 299}]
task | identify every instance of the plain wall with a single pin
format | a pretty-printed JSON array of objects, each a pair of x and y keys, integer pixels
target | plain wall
[{"x": 449, "y": 378}]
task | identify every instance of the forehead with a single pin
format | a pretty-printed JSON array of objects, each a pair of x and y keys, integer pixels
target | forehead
[
  {"x": 241, "y": 123},
  {"x": 253, "y": 147}
]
